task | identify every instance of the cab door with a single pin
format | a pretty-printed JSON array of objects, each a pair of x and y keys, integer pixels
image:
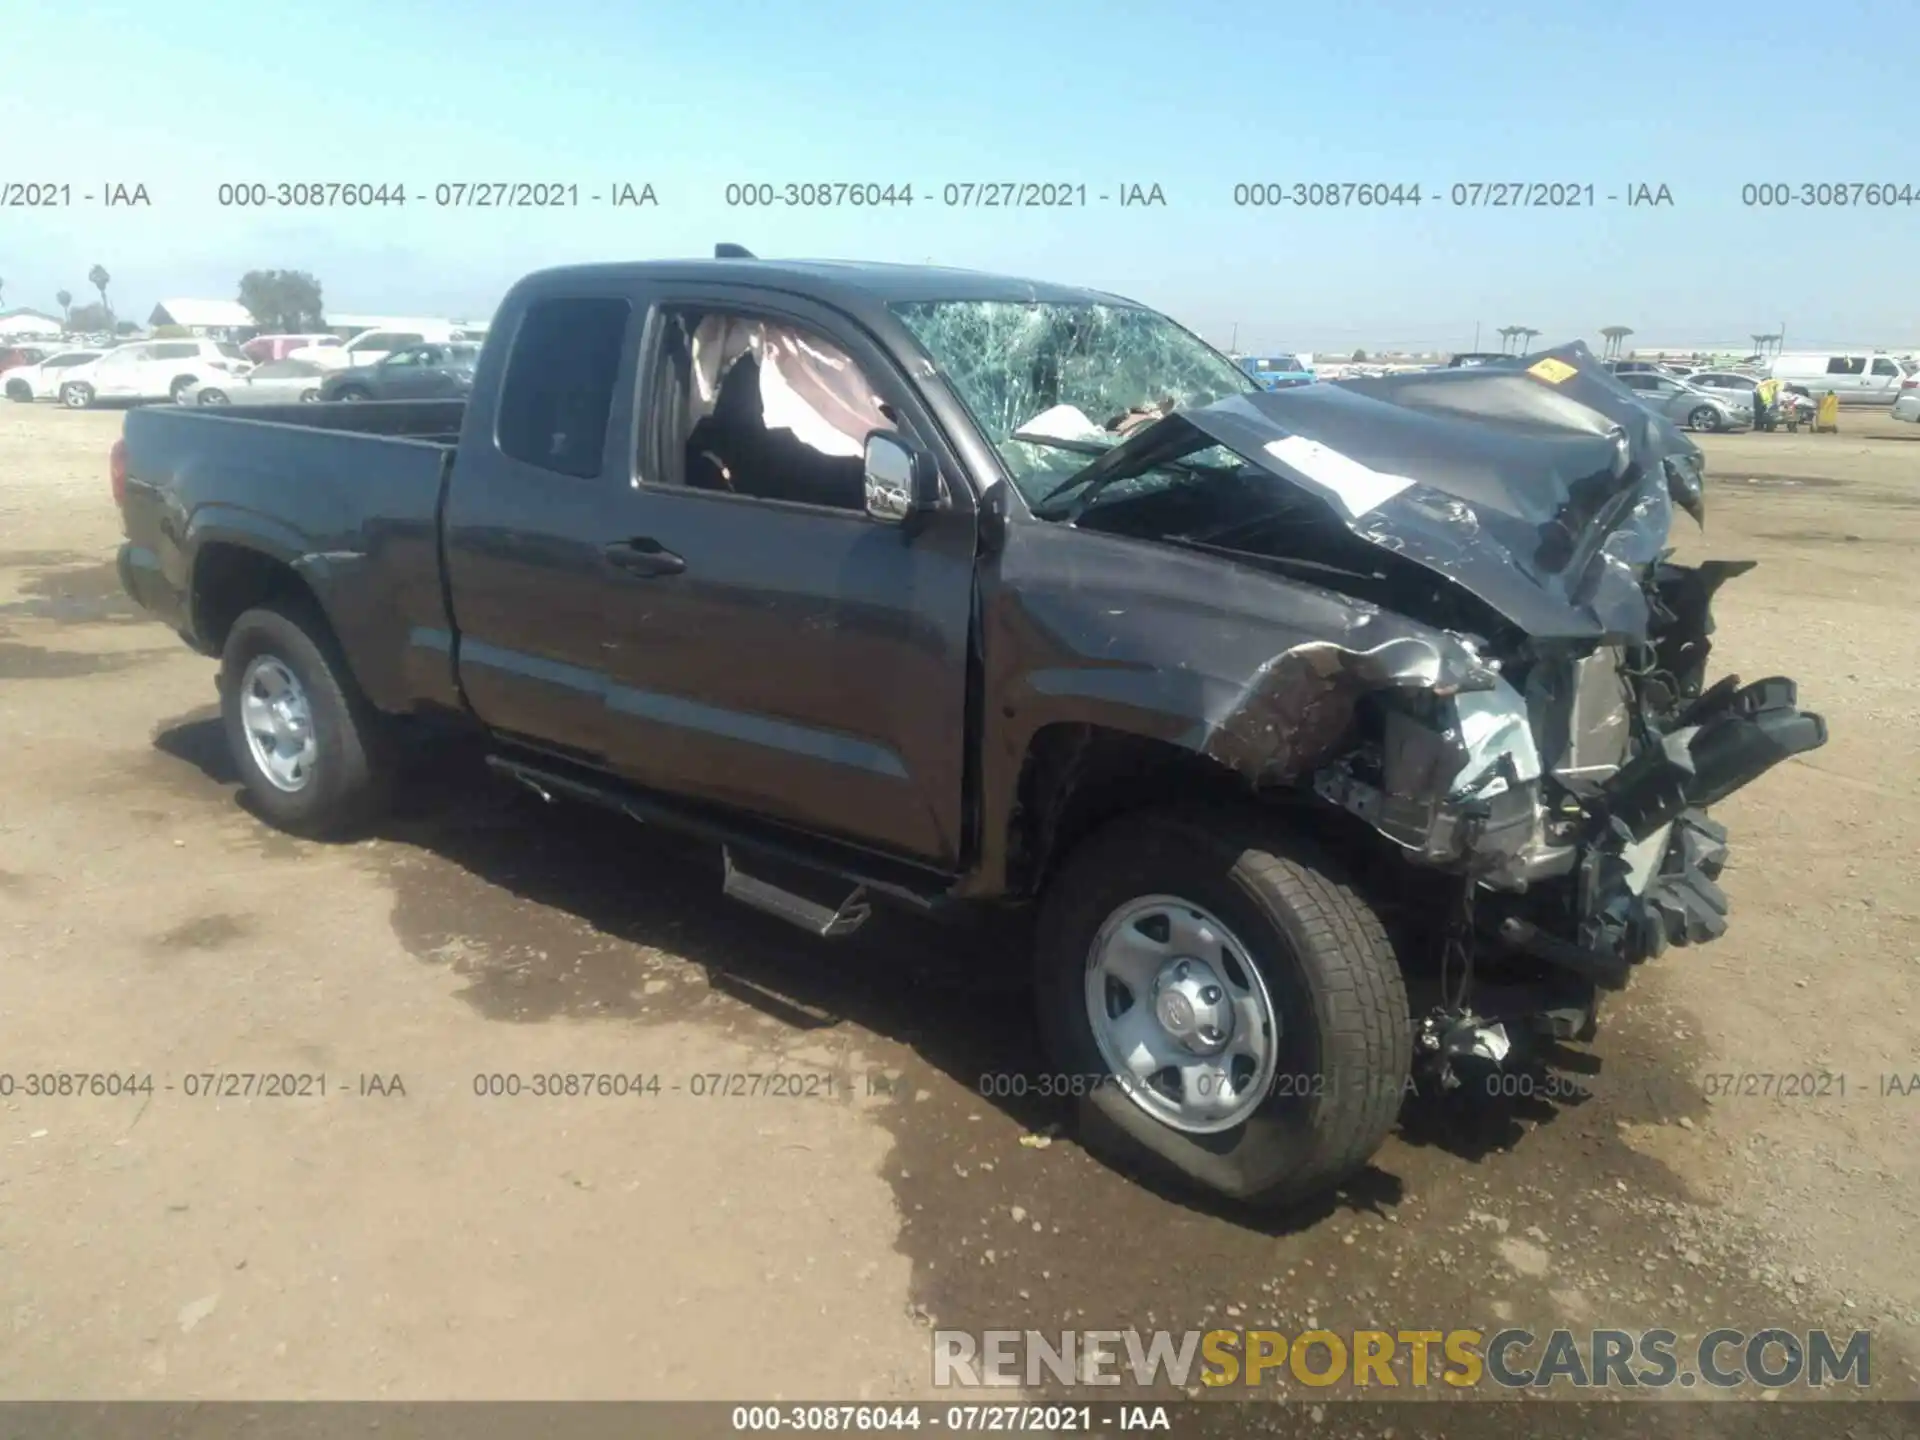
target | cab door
[{"x": 772, "y": 647}]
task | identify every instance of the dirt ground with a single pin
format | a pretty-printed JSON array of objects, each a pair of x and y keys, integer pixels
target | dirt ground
[{"x": 444, "y": 1243}]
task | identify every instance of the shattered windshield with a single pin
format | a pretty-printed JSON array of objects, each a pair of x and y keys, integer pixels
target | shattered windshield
[{"x": 1075, "y": 378}]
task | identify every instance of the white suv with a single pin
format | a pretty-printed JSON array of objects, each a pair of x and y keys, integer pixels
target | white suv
[{"x": 151, "y": 370}]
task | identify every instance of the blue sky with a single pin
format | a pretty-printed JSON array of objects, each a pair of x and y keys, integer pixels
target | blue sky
[{"x": 1195, "y": 97}]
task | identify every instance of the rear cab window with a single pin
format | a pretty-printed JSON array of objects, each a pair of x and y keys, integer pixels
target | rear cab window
[
  {"x": 557, "y": 395},
  {"x": 1882, "y": 365}
]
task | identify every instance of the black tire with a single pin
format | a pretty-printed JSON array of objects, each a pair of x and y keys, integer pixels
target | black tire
[
  {"x": 1704, "y": 417},
  {"x": 1346, "y": 1051},
  {"x": 309, "y": 396},
  {"x": 351, "y": 392},
  {"x": 76, "y": 396},
  {"x": 20, "y": 392},
  {"x": 206, "y": 395},
  {"x": 350, "y": 781}
]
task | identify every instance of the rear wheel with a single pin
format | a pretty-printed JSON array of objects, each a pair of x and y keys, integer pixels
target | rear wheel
[
  {"x": 316, "y": 757},
  {"x": 1704, "y": 417},
  {"x": 20, "y": 391},
  {"x": 308, "y": 397},
  {"x": 351, "y": 392},
  {"x": 76, "y": 395},
  {"x": 210, "y": 397},
  {"x": 1224, "y": 1005}
]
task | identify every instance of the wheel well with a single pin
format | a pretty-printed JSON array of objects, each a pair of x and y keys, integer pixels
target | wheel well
[
  {"x": 180, "y": 380},
  {"x": 229, "y": 579},
  {"x": 1076, "y": 778}
]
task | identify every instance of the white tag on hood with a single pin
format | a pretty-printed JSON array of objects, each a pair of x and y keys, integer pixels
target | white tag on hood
[{"x": 1358, "y": 487}]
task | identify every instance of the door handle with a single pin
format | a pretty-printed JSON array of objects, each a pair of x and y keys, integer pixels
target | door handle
[{"x": 643, "y": 556}]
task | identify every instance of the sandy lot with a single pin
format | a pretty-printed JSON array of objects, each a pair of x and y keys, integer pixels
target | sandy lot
[{"x": 442, "y": 1242}]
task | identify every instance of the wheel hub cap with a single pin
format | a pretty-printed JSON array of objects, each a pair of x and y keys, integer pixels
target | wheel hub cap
[
  {"x": 1191, "y": 1005},
  {"x": 1181, "y": 1015},
  {"x": 279, "y": 723}
]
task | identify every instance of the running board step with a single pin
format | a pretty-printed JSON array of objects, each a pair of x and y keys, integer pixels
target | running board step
[{"x": 796, "y": 909}]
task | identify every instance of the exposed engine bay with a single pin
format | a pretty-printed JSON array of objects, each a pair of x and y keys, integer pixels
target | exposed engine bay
[{"x": 1509, "y": 685}]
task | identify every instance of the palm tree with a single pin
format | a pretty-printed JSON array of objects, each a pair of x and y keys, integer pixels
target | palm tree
[
  {"x": 1506, "y": 334},
  {"x": 1613, "y": 335},
  {"x": 65, "y": 297},
  {"x": 1527, "y": 332},
  {"x": 100, "y": 279}
]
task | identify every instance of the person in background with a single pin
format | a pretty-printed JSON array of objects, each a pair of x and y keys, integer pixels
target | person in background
[{"x": 1763, "y": 397}]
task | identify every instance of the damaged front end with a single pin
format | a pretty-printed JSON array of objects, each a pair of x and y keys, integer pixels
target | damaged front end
[
  {"x": 1561, "y": 777},
  {"x": 1570, "y": 799}
]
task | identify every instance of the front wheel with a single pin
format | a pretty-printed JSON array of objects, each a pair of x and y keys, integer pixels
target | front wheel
[
  {"x": 1225, "y": 1004},
  {"x": 76, "y": 396},
  {"x": 352, "y": 394},
  {"x": 309, "y": 396},
  {"x": 211, "y": 397},
  {"x": 1704, "y": 418},
  {"x": 316, "y": 757}
]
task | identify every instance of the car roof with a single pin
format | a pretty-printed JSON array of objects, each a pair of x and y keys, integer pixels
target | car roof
[{"x": 851, "y": 282}]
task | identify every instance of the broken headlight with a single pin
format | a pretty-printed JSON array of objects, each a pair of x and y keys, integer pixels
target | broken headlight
[{"x": 1447, "y": 777}]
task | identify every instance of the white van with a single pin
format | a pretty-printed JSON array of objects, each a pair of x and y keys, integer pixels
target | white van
[{"x": 1857, "y": 377}]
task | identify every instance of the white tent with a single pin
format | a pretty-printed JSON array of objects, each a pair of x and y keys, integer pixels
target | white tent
[
  {"x": 29, "y": 324},
  {"x": 202, "y": 315}
]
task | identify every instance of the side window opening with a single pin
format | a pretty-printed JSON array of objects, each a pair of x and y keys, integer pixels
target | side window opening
[
  {"x": 1883, "y": 366},
  {"x": 764, "y": 409},
  {"x": 557, "y": 395}
]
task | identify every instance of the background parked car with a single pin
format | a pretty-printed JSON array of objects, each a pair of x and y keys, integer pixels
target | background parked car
[
  {"x": 263, "y": 348},
  {"x": 1689, "y": 405},
  {"x": 150, "y": 370},
  {"x": 14, "y": 356},
  {"x": 369, "y": 347},
  {"x": 27, "y": 383},
  {"x": 1857, "y": 378},
  {"x": 278, "y": 382},
  {"x": 1642, "y": 367},
  {"x": 422, "y": 372},
  {"x": 1279, "y": 372},
  {"x": 1907, "y": 407}
]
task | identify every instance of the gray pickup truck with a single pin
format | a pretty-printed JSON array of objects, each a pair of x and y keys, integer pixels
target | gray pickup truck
[{"x": 1342, "y": 738}]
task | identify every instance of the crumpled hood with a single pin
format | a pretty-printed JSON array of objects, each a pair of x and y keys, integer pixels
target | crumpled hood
[{"x": 1542, "y": 486}]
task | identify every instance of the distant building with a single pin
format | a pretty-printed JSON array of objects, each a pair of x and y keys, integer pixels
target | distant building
[
  {"x": 24, "y": 324},
  {"x": 218, "y": 319}
]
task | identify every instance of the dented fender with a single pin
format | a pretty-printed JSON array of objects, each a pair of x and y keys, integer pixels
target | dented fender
[{"x": 1254, "y": 672}]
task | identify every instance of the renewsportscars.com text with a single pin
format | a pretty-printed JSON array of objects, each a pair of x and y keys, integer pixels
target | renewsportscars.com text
[{"x": 1610, "y": 1359}]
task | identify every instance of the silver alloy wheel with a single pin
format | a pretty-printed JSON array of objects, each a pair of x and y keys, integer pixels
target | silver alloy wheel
[
  {"x": 77, "y": 397},
  {"x": 279, "y": 723},
  {"x": 1705, "y": 417},
  {"x": 1181, "y": 1015}
]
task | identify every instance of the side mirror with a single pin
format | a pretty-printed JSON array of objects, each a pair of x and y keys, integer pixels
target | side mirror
[{"x": 901, "y": 478}]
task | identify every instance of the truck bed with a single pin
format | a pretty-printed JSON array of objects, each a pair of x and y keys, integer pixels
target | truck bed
[{"x": 346, "y": 494}]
